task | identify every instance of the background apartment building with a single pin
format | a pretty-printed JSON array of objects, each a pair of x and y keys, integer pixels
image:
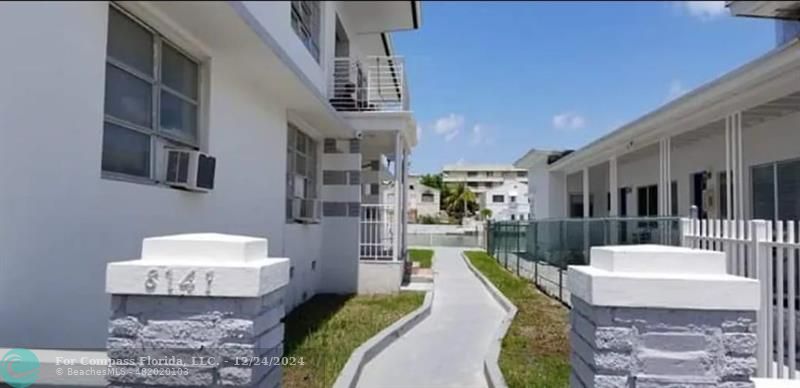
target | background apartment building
[{"x": 481, "y": 177}]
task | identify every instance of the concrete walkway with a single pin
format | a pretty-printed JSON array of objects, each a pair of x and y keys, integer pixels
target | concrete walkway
[{"x": 447, "y": 348}]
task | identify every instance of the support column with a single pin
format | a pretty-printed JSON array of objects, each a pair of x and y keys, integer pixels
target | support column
[
  {"x": 205, "y": 303},
  {"x": 404, "y": 223},
  {"x": 665, "y": 177},
  {"x": 586, "y": 197},
  {"x": 626, "y": 330},
  {"x": 734, "y": 188},
  {"x": 341, "y": 216},
  {"x": 398, "y": 200},
  {"x": 613, "y": 188},
  {"x": 586, "y": 213}
]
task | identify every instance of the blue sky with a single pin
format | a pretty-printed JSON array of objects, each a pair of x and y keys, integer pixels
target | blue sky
[{"x": 491, "y": 80}]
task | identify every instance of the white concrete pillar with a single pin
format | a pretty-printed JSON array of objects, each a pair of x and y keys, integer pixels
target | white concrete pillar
[
  {"x": 613, "y": 208},
  {"x": 194, "y": 297},
  {"x": 404, "y": 224},
  {"x": 341, "y": 216},
  {"x": 734, "y": 187},
  {"x": 626, "y": 328},
  {"x": 398, "y": 200},
  {"x": 664, "y": 177},
  {"x": 613, "y": 188},
  {"x": 586, "y": 197}
]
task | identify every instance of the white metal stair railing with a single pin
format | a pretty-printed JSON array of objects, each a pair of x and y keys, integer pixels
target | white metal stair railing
[
  {"x": 767, "y": 251},
  {"x": 376, "y": 241},
  {"x": 372, "y": 84}
]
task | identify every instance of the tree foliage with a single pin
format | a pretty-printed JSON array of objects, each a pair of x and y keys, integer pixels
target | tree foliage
[
  {"x": 460, "y": 201},
  {"x": 432, "y": 180}
]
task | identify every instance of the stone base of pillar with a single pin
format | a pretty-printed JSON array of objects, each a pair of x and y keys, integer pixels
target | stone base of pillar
[
  {"x": 658, "y": 316},
  {"x": 195, "y": 341},
  {"x": 643, "y": 347}
]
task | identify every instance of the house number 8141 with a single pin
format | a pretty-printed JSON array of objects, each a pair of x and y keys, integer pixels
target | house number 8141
[{"x": 186, "y": 281}]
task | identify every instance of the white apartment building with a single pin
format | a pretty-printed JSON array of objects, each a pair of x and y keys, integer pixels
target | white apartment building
[
  {"x": 134, "y": 119},
  {"x": 422, "y": 201},
  {"x": 481, "y": 177},
  {"x": 508, "y": 202},
  {"x": 729, "y": 147}
]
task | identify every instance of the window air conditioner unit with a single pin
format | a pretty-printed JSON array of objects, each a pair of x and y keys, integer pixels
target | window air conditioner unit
[
  {"x": 189, "y": 169},
  {"x": 305, "y": 210}
]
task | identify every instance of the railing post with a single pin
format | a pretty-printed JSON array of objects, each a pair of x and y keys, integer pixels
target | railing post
[
  {"x": 685, "y": 224},
  {"x": 759, "y": 236},
  {"x": 517, "y": 251},
  {"x": 505, "y": 249}
]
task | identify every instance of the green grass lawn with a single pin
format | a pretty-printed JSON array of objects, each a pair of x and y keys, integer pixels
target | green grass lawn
[
  {"x": 423, "y": 256},
  {"x": 535, "y": 351},
  {"x": 325, "y": 330}
]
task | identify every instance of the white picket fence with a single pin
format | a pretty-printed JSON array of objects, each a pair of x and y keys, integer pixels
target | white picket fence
[{"x": 767, "y": 251}]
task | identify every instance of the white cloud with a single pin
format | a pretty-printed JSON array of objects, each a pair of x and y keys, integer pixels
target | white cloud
[
  {"x": 419, "y": 133},
  {"x": 569, "y": 120},
  {"x": 478, "y": 135},
  {"x": 705, "y": 10},
  {"x": 676, "y": 89},
  {"x": 449, "y": 126}
]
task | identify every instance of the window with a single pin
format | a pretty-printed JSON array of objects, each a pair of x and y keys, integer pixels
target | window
[
  {"x": 674, "y": 198},
  {"x": 306, "y": 20},
  {"x": 576, "y": 205},
  {"x": 151, "y": 98},
  {"x": 647, "y": 200},
  {"x": 472, "y": 173},
  {"x": 723, "y": 195},
  {"x": 776, "y": 191},
  {"x": 512, "y": 217},
  {"x": 489, "y": 173},
  {"x": 472, "y": 184},
  {"x": 512, "y": 199},
  {"x": 427, "y": 197},
  {"x": 522, "y": 174},
  {"x": 498, "y": 199},
  {"x": 301, "y": 176},
  {"x": 763, "y": 178}
]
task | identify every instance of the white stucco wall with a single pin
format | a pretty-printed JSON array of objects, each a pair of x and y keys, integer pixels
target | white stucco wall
[
  {"x": 504, "y": 211},
  {"x": 61, "y": 223},
  {"x": 275, "y": 17},
  {"x": 415, "y": 202}
]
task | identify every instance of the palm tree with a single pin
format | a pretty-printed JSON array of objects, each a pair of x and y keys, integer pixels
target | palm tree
[
  {"x": 432, "y": 180},
  {"x": 460, "y": 201}
]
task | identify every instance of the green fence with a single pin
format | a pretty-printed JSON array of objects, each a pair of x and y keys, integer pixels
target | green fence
[{"x": 541, "y": 250}]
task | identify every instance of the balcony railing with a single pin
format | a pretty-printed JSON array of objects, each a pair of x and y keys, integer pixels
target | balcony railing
[
  {"x": 377, "y": 232},
  {"x": 373, "y": 84}
]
